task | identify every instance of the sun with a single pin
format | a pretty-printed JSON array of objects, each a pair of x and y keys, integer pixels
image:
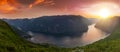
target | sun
[
  {"x": 104, "y": 13},
  {"x": 102, "y": 10}
]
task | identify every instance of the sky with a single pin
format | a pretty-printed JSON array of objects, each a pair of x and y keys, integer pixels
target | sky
[{"x": 37, "y": 8}]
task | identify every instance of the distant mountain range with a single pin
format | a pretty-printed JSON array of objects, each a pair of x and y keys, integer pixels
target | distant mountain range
[{"x": 58, "y": 26}]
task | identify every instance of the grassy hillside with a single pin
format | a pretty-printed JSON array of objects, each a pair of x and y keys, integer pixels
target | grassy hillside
[
  {"x": 10, "y": 42},
  {"x": 109, "y": 44}
]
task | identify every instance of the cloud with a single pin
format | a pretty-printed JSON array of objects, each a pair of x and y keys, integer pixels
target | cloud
[{"x": 12, "y": 6}]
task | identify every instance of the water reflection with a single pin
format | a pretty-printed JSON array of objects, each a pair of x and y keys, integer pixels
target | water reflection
[
  {"x": 89, "y": 37},
  {"x": 93, "y": 35}
]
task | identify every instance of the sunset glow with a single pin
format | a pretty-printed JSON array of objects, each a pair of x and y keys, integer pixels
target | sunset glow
[
  {"x": 102, "y": 10},
  {"x": 104, "y": 13},
  {"x": 36, "y": 8}
]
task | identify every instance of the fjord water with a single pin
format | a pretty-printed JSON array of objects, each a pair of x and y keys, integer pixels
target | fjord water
[{"x": 92, "y": 35}]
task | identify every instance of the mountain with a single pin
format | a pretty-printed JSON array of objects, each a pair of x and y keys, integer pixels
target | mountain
[{"x": 58, "y": 26}]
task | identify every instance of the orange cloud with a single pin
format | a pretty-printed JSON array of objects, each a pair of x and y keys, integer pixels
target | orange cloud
[
  {"x": 7, "y": 6},
  {"x": 35, "y": 3}
]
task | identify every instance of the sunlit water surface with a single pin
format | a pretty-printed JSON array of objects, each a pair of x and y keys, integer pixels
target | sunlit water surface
[{"x": 89, "y": 37}]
